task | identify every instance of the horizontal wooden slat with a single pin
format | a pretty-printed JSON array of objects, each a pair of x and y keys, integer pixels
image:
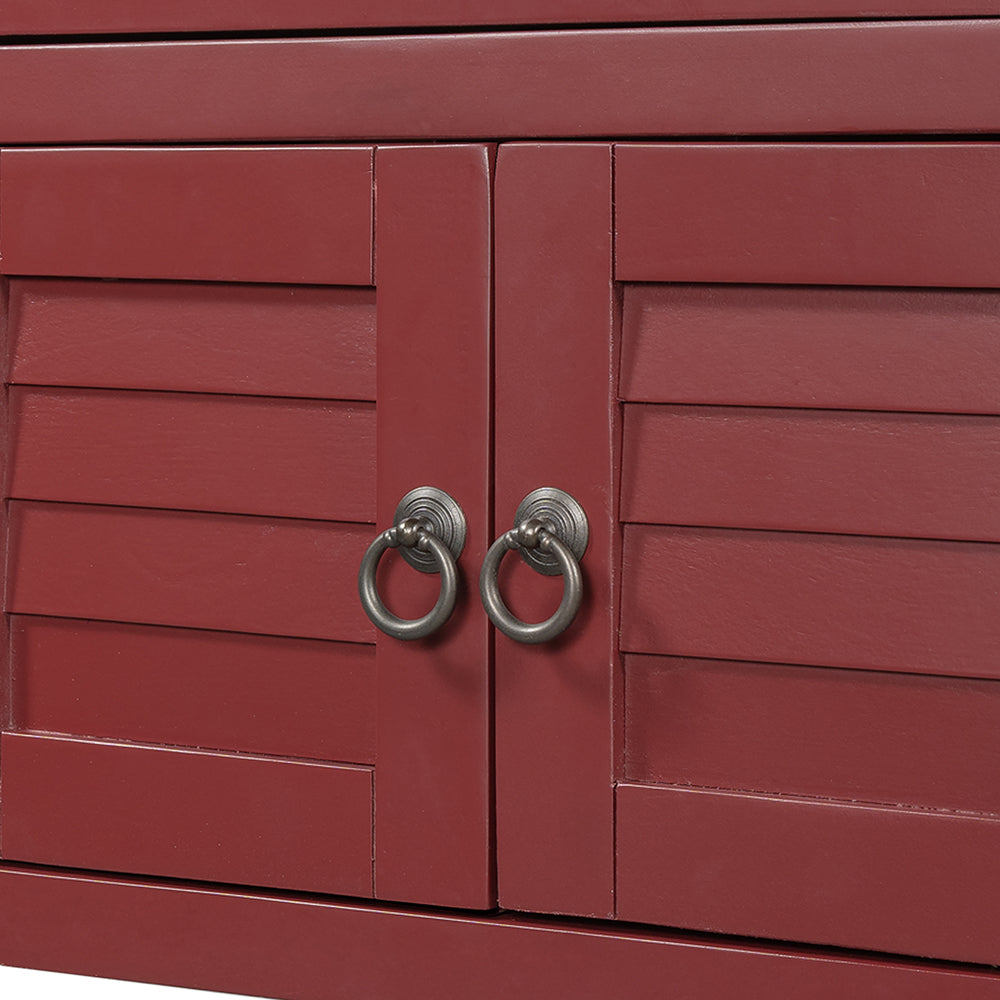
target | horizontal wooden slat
[
  {"x": 905, "y": 881},
  {"x": 241, "y": 574},
  {"x": 269, "y": 340},
  {"x": 807, "y": 470},
  {"x": 52, "y": 16},
  {"x": 289, "y": 458},
  {"x": 840, "y": 78},
  {"x": 846, "y": 734},
  {"x": 900, "y": 214},
  {"x": 287, "y": 214},
  {"x": 146, "y": 684},
  {"x": 224, "y": 817},
  {"x": 305, "y": 948},
  {"x": 844, "y": 348},
  {"x": 843, "y": 601}
]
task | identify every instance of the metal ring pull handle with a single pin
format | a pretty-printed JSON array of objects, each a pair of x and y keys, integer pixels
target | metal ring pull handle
[
  {"x": 430, "y": 534},
  {"x": 551, "y": 534}
]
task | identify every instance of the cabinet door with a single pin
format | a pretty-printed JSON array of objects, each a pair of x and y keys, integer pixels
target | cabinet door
[
  {"x": 777, "y": 397},
  {"x": 218, "y": 395}
]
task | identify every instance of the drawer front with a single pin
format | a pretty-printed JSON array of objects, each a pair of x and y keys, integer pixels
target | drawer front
[
  {"x": 862, "y": 78},
  {"x": 34, "y": 17}
]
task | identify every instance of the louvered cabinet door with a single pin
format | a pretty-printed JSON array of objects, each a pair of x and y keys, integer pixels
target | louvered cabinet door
[
  {"x": 777, "y": 395},
  {"x": 217, "y": 397}
]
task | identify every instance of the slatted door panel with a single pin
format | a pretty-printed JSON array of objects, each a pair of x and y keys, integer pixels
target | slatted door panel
[
  {"x": 193, "y": 481},
  {"x": 810, "y": 480}
]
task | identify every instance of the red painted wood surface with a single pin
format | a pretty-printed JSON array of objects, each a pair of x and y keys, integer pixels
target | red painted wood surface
[
  {"x": 5, "y": 673},
  {"x": 850, "y": 78},
  {"x": 292, "y": 458},
  {"x": 242, "y": 574},
  {"x": 222, "y": 817},
  {"x": 883, "y": 604},
  {"x": 845, "y": 348},
  {"x": 91, "y": 16},
  {"x": 855, "y": 735},
  {"x": 148, "y": 684},
  {"x": 433, "y": 822},
  {"x": 265, "y": 340},
  {"x": 248, "y": 214},
  {"x": 897, "y": 880},
  {"x": 556, "y": 426},
  {"x": 901, "y": 214},
  {"x": 899, "y": 474},
  {"x": 313, "y": 949}
]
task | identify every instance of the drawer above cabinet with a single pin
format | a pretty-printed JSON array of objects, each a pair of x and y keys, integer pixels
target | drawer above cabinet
[{"x": 48, "y": 17}]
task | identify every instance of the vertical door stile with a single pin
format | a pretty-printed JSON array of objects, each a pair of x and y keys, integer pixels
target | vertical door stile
[
  {"x": 433, "y": 813},
  {"x": 557, "y": 425}
]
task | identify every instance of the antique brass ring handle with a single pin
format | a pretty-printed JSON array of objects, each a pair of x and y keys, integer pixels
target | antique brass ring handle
[
  {"x": 551, "y": 534},
  {"x": 429, "y": 531}
]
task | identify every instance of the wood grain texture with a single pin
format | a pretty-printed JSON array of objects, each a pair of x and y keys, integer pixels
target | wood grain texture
[
  {"x": 287, "y": 458},
  {"x": 814, "y": 871},
  {"x": 900, "y": 214},
  {"x": 5, "y": 674},
  {"x": 181, "y": 687},
  {"x": 266, "y": 340},
  {"x": 922, "y": 350},
  {"x": 92, "y": 16},
  {"x": 897, "y": 474},
  {"x": 433, "y": 835},
  {"x": 556, "y": 426},
  {"x": 188, "y": 814},
  {"x": 813, "y": 78},
  {"x": 847, "y": 734},
  {"x": 263, "y": 214},
  {"x": 302, "y": 949},
  {"x": 241, "y": 574},
  {"x": 882, "y": 604}
]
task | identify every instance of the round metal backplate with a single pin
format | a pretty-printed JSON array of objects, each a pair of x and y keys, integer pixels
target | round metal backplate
[
  {"x": 567, "y": 520},
  {"x": 443, "y": 516}
]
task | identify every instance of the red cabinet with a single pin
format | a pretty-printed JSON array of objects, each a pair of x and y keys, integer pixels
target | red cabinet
[{"x": 241, "y": 329}]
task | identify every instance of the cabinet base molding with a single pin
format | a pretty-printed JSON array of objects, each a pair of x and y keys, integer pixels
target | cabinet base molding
[{"x": 320, "y": 948}]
